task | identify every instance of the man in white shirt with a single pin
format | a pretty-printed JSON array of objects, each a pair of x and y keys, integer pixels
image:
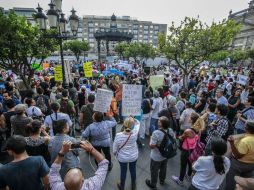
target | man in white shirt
[
  {"x": 157, "y": 107},
  {"x": 175, "y": 87}
]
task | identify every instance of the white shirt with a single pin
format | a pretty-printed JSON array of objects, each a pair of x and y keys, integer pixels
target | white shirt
[
  {"x": 129, "y": 152},
  {"x": 33, "y": 111},
  {"x": 157, "y": 107},
  {"x": 185, "y": 118},
  {"x": 222, "y": 100},
  {"x": 229, "y": 88},
  {"x": 59, "y": 116},
  {"x": 175, "y": 89},
  {"x": 206, "y": 177}
]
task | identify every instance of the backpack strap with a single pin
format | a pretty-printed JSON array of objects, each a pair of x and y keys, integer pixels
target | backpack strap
[
  {"x": 125, "y": 142},
  {"x": 247, "y": 109}
]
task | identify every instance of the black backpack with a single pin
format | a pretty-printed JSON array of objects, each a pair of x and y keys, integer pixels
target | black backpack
[
  {"x": 168, "y": 146},
  {"x": 54, "y": 124}
]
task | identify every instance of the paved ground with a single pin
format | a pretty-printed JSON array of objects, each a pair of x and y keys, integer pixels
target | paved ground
[{"x": 143, "y": 172}]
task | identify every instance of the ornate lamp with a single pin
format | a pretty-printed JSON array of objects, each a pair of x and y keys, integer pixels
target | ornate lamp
[
  {"x": 73, "y": 19},
  {"x": 41, "y": 18},
  {"x": 52, "y": 16}
]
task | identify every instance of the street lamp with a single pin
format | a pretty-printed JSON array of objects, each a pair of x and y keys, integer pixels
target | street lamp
[{"x": 58, "y": 22}]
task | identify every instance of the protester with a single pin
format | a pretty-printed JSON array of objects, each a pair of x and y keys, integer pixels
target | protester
[
  {"x": 99, "y": 134},
  {"x": 156, "y": 108},
  {"x": 126, "y": 151},
  {"x": 210, "y": 171},
  {"x": 24, "y": 172},
  {"x": 158, "y": 163},
  {"x": 74, "y": 179},
  {"x": 86, "y": 113},
  {"x": 242, "y": 162},
  {"x": 71, "y": 159}
]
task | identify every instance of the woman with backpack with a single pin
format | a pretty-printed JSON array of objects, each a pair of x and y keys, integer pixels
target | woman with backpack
[
  {"x": 158, "y": 164},
  {"x": 126, "y": 151},
  {"x": 189, "y": 140},
  {"x": 210, "y": 171}
]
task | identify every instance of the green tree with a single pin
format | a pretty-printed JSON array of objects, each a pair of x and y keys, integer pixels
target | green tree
[
  {"x": 120, "y": 48},
  {"x": 21, "y": 44},
  {"x": 238, "y": 55},
  {"x": 77, "y": 47},
  {"x": 193, "y": 42}
]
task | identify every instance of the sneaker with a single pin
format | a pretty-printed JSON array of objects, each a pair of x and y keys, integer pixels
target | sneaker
[
  {"x": 177, "y": 180},
  {"x": 148, "y": 183},
  {"x": 188, "y": 178}
]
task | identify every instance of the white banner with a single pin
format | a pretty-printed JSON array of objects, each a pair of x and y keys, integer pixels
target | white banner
[
  {"x": 242, "y": 79},
  {"x": 131, "y": 100},
  {"x": 103, "y": 100}
]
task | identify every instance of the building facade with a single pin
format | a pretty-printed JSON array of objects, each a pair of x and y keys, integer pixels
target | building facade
[
  {"x": 245, "y": 38},
  {"x": 143, "y": 31}
]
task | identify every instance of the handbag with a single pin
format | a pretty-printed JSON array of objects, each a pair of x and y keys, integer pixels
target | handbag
[
  {"x": 123, "y": 145},
  {"x": 197, "y": 151}
]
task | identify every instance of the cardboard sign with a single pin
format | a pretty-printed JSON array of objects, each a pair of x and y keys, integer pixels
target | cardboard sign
[
  {"x": 58, "y": 73},
  {"x": 242, "y": 79},
  {"x": 156, "y": 81},
  {"x": 103, "y": 100},
  {"x": 131, "y": 100},
  {"x": 88, "y": 69}
]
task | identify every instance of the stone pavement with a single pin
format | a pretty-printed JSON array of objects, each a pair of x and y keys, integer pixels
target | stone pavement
[{"x": 143, "y": 172}]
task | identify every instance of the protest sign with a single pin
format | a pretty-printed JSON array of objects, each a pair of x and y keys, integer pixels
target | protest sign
[
  {"x": 156, "y": 81},
  {"x": 88, "y": 69},
  {"x": 242, "y": 79},
  {"x": 103, "y": 100},
  {"x": 58, "y": 73},
  {"x": 131, "y": 100},
  {"x": 36, "y": 66},
  {"x": 45, "y": 66}
]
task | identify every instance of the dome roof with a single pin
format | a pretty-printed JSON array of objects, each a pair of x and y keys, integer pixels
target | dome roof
[{"x": 113, "y": 17}]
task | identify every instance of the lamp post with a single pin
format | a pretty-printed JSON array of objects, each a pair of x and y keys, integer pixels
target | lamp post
[{"x": 57, "y": 21}]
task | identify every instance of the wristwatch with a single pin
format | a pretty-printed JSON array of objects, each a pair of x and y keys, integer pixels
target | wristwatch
[{"x": 60, "y": 154}]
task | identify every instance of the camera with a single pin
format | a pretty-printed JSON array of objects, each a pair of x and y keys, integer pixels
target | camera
[{"x": 75, "y": 145}]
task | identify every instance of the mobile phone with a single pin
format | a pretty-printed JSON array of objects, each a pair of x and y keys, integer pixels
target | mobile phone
[{"x": 75, "y": 145}]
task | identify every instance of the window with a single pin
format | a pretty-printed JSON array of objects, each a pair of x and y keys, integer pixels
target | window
[
  {"x": 156, "y": 27},
  {"x": 91, "y": 29},
  {"x": 145, "y": 32},
  {"x": 135, "y": 26},
  {"x": 135, "y": 32},
  {"x": 146, "y": 27},
  {"x": 135, "y": 36},
  {"x": 141, "y": 36},
  {"x": 140, "y": 26},
  {"x": 151, "y": 26},
  {"x": 145, "y": 37},
  {"x": 91, "y": 40},
  {"x": 102, "y": 24},
  {"x": 96, "y": 24},
  {"x": 90, "y": 35},
  {"x": 90, "y": 24}
]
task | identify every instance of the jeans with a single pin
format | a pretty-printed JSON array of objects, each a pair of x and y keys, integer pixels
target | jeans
[
  {"x": 132, "y": 168},
  {"x": 106, "y": 152},
  {"x": 238, "y": 168},
  {"x": 158, "y": 168},
  {"x": 144, "y": 125},
  {"x": 113, "y": 133},
  {"x": 184, "y": 162},
  {"x": 153, "y": 125},
  {"x": 120, "y": 111}
]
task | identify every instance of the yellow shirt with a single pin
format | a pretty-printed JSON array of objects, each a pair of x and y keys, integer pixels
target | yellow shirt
[{"x": 245, "y": 146}]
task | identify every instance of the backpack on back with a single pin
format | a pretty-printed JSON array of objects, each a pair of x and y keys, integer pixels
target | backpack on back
[
  {"x": 168, "y": 146},
  {"x": 40, "y": 103},
  {"x": 54, "y": 124}
]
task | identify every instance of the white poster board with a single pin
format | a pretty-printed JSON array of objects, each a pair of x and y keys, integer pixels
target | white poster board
[
  {"x": 156, "y": 81},
  {"x": 242, "y": 79},
  {"x": 103, "y": 100},
  {"x": 131, "y": 100}
]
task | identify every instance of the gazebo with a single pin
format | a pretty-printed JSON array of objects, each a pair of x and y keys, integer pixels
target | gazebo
[{"x": 111, "y": 34}]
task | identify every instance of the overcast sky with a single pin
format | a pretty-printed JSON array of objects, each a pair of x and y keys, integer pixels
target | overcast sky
[{"x": 160, "y": 11}]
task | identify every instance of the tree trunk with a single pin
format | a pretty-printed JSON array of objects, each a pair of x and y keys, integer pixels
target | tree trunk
[{"x": 185, "y": 80}]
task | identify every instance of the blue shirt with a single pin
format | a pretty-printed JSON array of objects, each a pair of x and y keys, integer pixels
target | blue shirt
[
  {"x": 247, "y": 113},
  {"x": 222, "y": 100},
  {"x": 15, "y": 100},
  {"x": 99, "y": 132}
]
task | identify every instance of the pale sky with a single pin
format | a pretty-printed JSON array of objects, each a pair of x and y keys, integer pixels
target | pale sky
[{"x": 160, "y": 11}]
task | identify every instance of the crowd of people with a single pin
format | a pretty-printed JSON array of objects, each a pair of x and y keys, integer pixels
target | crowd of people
[{"x": 208, "y": 122}]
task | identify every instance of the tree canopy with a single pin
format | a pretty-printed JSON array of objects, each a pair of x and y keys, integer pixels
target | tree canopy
[
  {"x": 77, "y": 47},
  {"x": 193, "y": 42},
  {"x": 138, "y": 51},
  {"x": 20, "y": 44}
]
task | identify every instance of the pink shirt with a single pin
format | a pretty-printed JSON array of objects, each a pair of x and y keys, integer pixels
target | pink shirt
[{"x": 190, "y": 143}]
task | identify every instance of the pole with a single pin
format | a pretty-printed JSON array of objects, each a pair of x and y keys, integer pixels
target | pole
[{"x": 65, "y": 85}]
